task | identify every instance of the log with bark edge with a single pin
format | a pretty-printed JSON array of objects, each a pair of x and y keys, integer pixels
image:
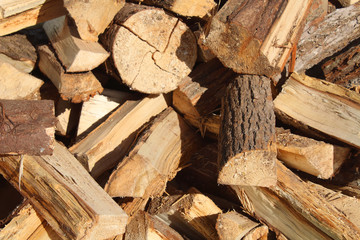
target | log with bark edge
[
  {"x": 16, "y": 84},
  {"x": 92, "y": 17},
  {"x": 316, "y": 105},
  {"x": 65, "y": 195},
  {"x": 77, "y": 87},
  {"x": 258, "y": 233},
  {"x": 150, "y": 50},
  {"x": 155, "y": 159},
  {"x": 250, "y": 45},
  {"x": 319, "y": 43},
  {"x": 18, "y": 51},
  {"x": 346, "y": 3},
  {"x": 117, "y": 133},
  {"x": 27, "y": 127},
  {"x": 247, "y": 152},
  {"x": 317, "y": 13},
  {"x": 75, "y": 54},
  {"x": 49, "y": 10}
]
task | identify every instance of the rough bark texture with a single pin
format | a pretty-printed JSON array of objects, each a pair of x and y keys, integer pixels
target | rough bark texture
[
  {"x": 146, "y": 63},
  {"x": 247, "y": 133},
  {"x": 27, "y": 127}
]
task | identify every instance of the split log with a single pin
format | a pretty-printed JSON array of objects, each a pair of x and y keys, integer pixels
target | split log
[
  {"x": 76, "y": 55},
  {"x": 146, "y": 63},
  {"x": 77, "y": 87},
  {"x": 308, "y": 155},
  {"x": 117, "y": 133},
  {"x": 313, "y": 104},
  {"x": 233, "y": 225},
  {"x": 65, "y": 195},
  {"x": 343, "y": 69},
  {"x": 16, "y": 84},
  {"x": 258, "y": 233},
  {"x": 296, "y": 209},
  {"x": 317, "y": 13},
  {"x": 150, "y": 167},
  {"x": 346, "y": 3},
  {"x": 27, "y": 127},
  {"x": 247, "y": 152},
  {"x": 49, "y": 10},
  {"x": 92, "y": 17},
  {"x": 250, "y": 45},
  {"x": 28, "y": 225},
  {"x": 67, "y": 116},
  {"x": 319, "y": 43},
  {"x": 18, "y": 51},
  {"x": 145, "y": 226},
  {"x": 12, "y": 7},
  {"x": 186, "y": 8}
]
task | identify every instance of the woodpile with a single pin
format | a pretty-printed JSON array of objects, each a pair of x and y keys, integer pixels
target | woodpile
[{"x": 179, "y": 119}]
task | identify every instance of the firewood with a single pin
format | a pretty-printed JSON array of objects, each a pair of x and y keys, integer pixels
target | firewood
[
  {"x": 233, "y": 225},
  {"x": 346, "y": 3},
  {"x": 343, "y": 69},
  {"x": 67, "y": 116},
  {"x": 76, "y": 55},
  {"x": 65, "y": 195},
  {"x": 319, "y": 43},
  {"x": 26, "y": 127},
  {"x": 308, "y": 155},
  {"x": 149, "y": 166},
  {"x": 117, "y": 133},
  {"x": 250, "y": 45},
  {"x": 92, "y": 17},
  {"x": 28, "y": 225},
  {"x": 77, "y": 87},
  {"x": 317, "y": 13},
  {"x": 49, "y": 10},
  {"x": 18, "y": 51},
  {"x": 247, "y": 152},
  {"x": 145, "y": 226},
  {"x": 12, "y": 7},
  {"x": 258, "y": 233},
  {"x": 16, "y": 84},
  {"x": 187, "y": 8},
  {"x": 296, "y": 209},
  {"x": 146, "y": 63},
  {"x": 310, "y": 103}
]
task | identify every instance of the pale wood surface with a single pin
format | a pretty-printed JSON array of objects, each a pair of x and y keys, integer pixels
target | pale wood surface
[
  {"x": 75, "y": 54},
  {"x": 346, "y": 3},
  {"x": 49, "y": 10},
  {"x": 65, "y": 195},
  {"x": 16, "y": 84},
  {"x": 258, "y": 233},
  {"x": 12, "y": 7},
  {"x": 77, "y": 87},
  {"x": 155, "y": 159},
  {"x": 321, "y": 105},
  {"x": 92, "y": 17},
  {"x": 109, "y": 142}
]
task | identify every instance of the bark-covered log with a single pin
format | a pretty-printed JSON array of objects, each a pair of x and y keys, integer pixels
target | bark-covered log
[{"x": 247, "y": 152}]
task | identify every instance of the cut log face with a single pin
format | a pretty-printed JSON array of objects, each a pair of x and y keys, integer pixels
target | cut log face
[
  {"x": 154, "y": 165},
  {"x": 27, "y": 127},
  {"x": 252, "y": 46},
  {"x": 322, "y": 106},
  {"x": 65, "y": 195},
  {"x": 151, "y": 50},
  {"x": 247, "y": 152}
]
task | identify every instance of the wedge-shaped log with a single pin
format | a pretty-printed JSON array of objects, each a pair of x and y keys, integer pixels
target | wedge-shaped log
[
  {"x": 16, "y": 84},
  {"x": 92, "y": 17},
  {"x": 155, "y": 159},
  {"x": 258, "y": 233},
  {"x": 296, "y": 209},
  {"x": 27, "y": 127},
  {"x": 27, "y": 224},
  {"x": 117, "y": 133},
  {"x": 247, "y": 151},
  {"x": 250, "y": 44},
  {"x": 76, "y": 55},
  {"x": 312, "y": 103},
  {"x": 317, "y": 158},
  {"x": 233, "y": 225},
  {"x": 18, "y": 51},
  {"x": 12, "y": 7},
  {"x": 50, "y": 9},
  {"x": 65, "y": 195},
  {"x": 145, "y": 226},
  {"x": 150, "y": 49},
  {"x": 319, "y": 43},
  {"x": 76, "y": 87}
]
